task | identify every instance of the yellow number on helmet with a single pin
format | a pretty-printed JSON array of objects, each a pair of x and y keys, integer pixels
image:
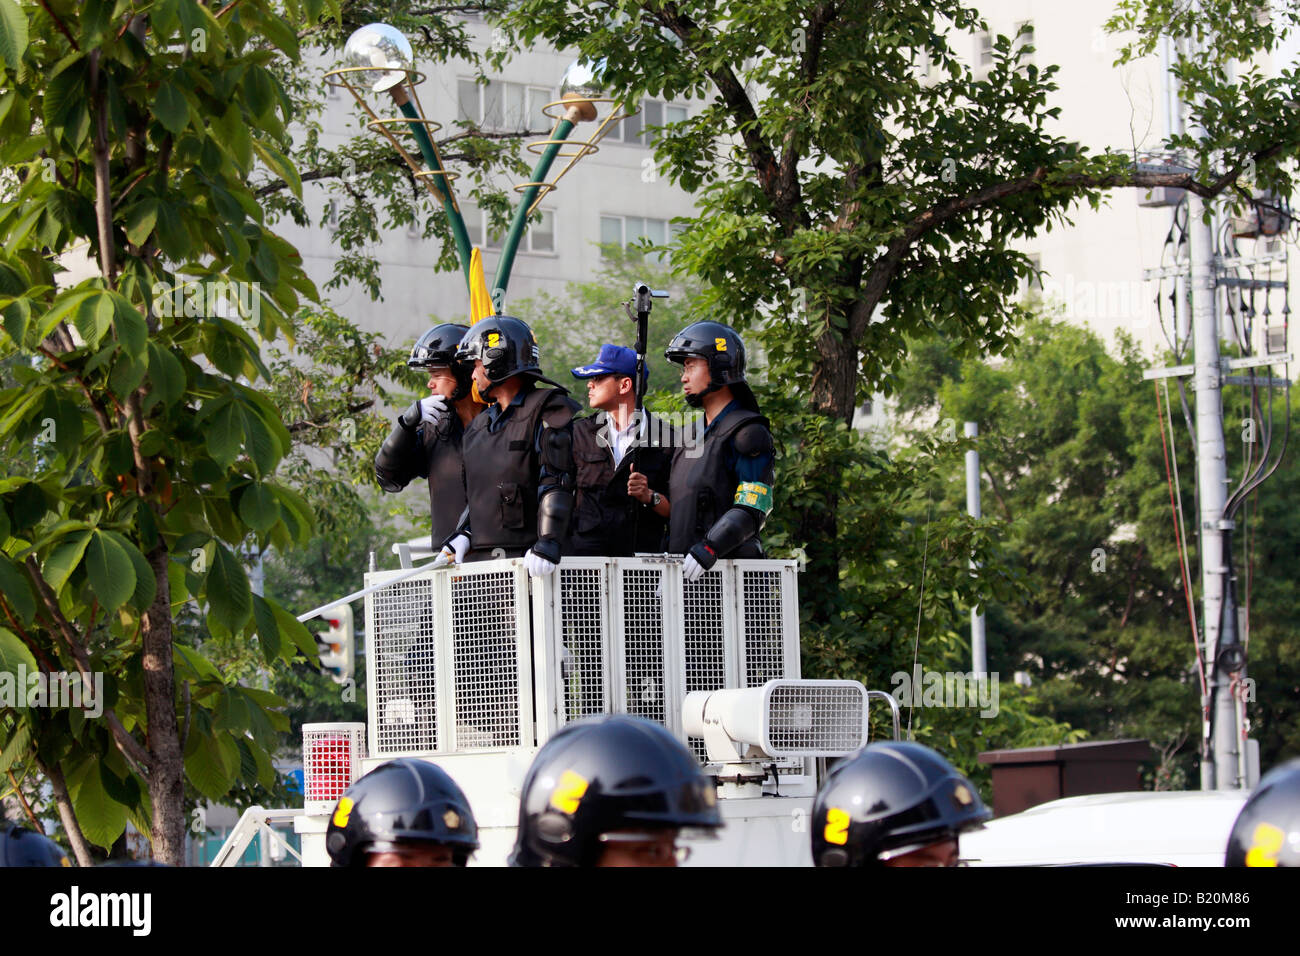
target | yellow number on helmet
[
  {"x": 720, "y": 344},
  {"x": 837, "y": 826},
  {"x": 1266, "y": 844},
  {"x": 493, "y": 339},
  {"x": 568, "y": 793},
  {"x": 342, "y": 812}
]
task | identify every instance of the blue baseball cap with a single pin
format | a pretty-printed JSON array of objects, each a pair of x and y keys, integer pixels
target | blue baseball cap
[{"x": 612, "y": 360}]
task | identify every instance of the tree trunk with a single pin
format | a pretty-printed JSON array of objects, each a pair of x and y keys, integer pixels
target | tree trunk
[
  {"x": 68, "y": 816},
  {"x": 833, "y": 393},
  {"x": 167, "y": 771}
]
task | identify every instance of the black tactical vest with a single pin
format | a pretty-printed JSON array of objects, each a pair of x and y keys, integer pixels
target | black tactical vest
[
  {"x": 606, "y": 521},
  {"x": 501, "y": 472},
  {"x": 446, "y": 477},
  {"x": 703, "y": 487}
]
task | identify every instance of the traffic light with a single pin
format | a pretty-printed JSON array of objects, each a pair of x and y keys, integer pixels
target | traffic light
[{"x": 337, "y": 645}]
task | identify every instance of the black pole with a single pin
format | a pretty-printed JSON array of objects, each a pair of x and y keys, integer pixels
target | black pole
[{"x": 642, "y": 302}]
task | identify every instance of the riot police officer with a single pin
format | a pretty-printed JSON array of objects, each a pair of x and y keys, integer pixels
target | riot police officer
[
  {"x": 721, "y": 483},
  {"x": 519, "y": 471},
  {"x": 406, "y": 812},
  {"x": 1267, "y": 831},
  {"x": 622, "y": 460},
  {"x": 893, "y": 804},
  {"x": 426, "y": 440},
  {"x": 612, "y": 790},
  {"x": 22, "y": 847}
]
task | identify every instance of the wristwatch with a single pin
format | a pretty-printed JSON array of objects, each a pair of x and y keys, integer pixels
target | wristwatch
[{"x": 655, "y": 498}]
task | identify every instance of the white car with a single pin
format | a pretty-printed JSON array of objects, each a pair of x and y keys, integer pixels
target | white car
[{"x": 1186, "y": 828}]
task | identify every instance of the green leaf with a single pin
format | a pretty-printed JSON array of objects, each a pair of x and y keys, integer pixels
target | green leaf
[
  {"x": 131, "y": 329},
  {"x": 268, "y": 631},
  {"x": 64, "y": 558},
  {"x": 66, "y": 103},
  {"x": 146, "y": 584},
  {"x": 94, "y": 317},
  {"x": 13, "y": 32},
  {"x": 172, "y": 236},
  {"x": 296, "y": 631},
  {"x": 279, "y": 164},
  {"x": 111, "y": 572},
  {"x": 259, "y": 90},
  {"x": 140, "y": 220},
  {"x": 17, "y": 745},
  {"x": 260, "y": 442},
  {"x": 102, "y": 818},
  {"x": 259, "y": 507},
  {"x": 17, "y": 316},
  {"x": 226, "y": 589},
  {"x": 211, "y": 767},
  {"x": 170, "y": 107},
  {"x": 225, "y": 434},
  {"x": 13, "y": 654},
  {"x": 166, "y": 376},
  {"x": 16, "y": 590},
  {"x": 62, "y": 306}
]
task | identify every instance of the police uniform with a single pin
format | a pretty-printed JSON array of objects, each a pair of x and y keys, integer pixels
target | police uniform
[
  {"x": 519, "y": 470},
  {"x": 514, "y": 459},
  {"x": 721, "y": 481},
  {"x": 414, "y": 449}
]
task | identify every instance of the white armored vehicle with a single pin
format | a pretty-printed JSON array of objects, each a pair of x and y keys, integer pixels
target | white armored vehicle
[{"x": 474, "y": 667}]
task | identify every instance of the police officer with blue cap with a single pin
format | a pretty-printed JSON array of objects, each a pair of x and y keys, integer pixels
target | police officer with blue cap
[{"x": 623, "y": 461}]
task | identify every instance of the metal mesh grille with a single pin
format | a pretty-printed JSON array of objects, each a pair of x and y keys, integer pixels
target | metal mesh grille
[
  {"x": 405, "y": 655},
  {"x": 704, "y": 652},
  {"x": 486, "y": 661},
  {"x": 764, "y": 647},
  {"x": 643, "y": 644},
  {"x": 331, "y": 760},
  {"x": 582, "y": 654},
  {"x": 821, "y": 721}
]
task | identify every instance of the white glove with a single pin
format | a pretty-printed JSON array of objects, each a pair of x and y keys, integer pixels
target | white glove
[
  {"x": 537, "y": 565},
  {"x": 453, "y": 552},
  {"x": 432, "y": 410},
  {"x": 692, "y": 570}
]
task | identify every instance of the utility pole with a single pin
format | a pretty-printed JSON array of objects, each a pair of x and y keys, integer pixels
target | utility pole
[
  {"x": 1218, "y": 619},
  {"x": 978, "y": 652}
]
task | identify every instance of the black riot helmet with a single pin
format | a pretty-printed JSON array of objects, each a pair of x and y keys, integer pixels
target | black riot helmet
[
  {"x": 436, "y": 348},
  {"x": 506, "y": 346},
  {"x": 723, "y": 348},
  {"x": 22, "y": 847},
  {"x": 401, "y": 802},
  {"x": 1267, "y": 831},
  {"x": 604, "y": 774},
  {"x": 889, "y": 799}
]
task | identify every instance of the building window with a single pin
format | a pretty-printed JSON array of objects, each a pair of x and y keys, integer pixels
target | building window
[
  {"x": 636, "y": 128},
  {"x": 1034, "y": 283},
  {"x": 498, "y": 105},
  {"x": 983, "y": 52},
  {"x": 626, "y": 231},
  {"x": 539, "y": 237}
]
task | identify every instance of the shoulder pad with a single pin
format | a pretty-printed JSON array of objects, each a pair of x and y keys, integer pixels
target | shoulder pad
[
  {"x": 558, "y": 409},
  {"x": 754, "y": 439}
]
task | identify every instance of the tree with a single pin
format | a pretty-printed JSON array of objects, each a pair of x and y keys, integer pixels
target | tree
[
  {"x": 854, "y": 175},
  {"x": 144, "y": 450},
  {"x": 1074, "y": 467}
]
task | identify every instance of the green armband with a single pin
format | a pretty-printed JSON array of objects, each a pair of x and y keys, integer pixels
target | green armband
[{"x": 754, "y": 494}]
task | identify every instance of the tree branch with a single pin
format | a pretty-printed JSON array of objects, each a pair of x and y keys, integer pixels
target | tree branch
[
  {"x": 103, "y": 197},
  {"x": 745, "y": 119},
  {"x": 317, "y": 421},
  {"x": 67, "y": 815},
  {"x": 130, "y": 747}
]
